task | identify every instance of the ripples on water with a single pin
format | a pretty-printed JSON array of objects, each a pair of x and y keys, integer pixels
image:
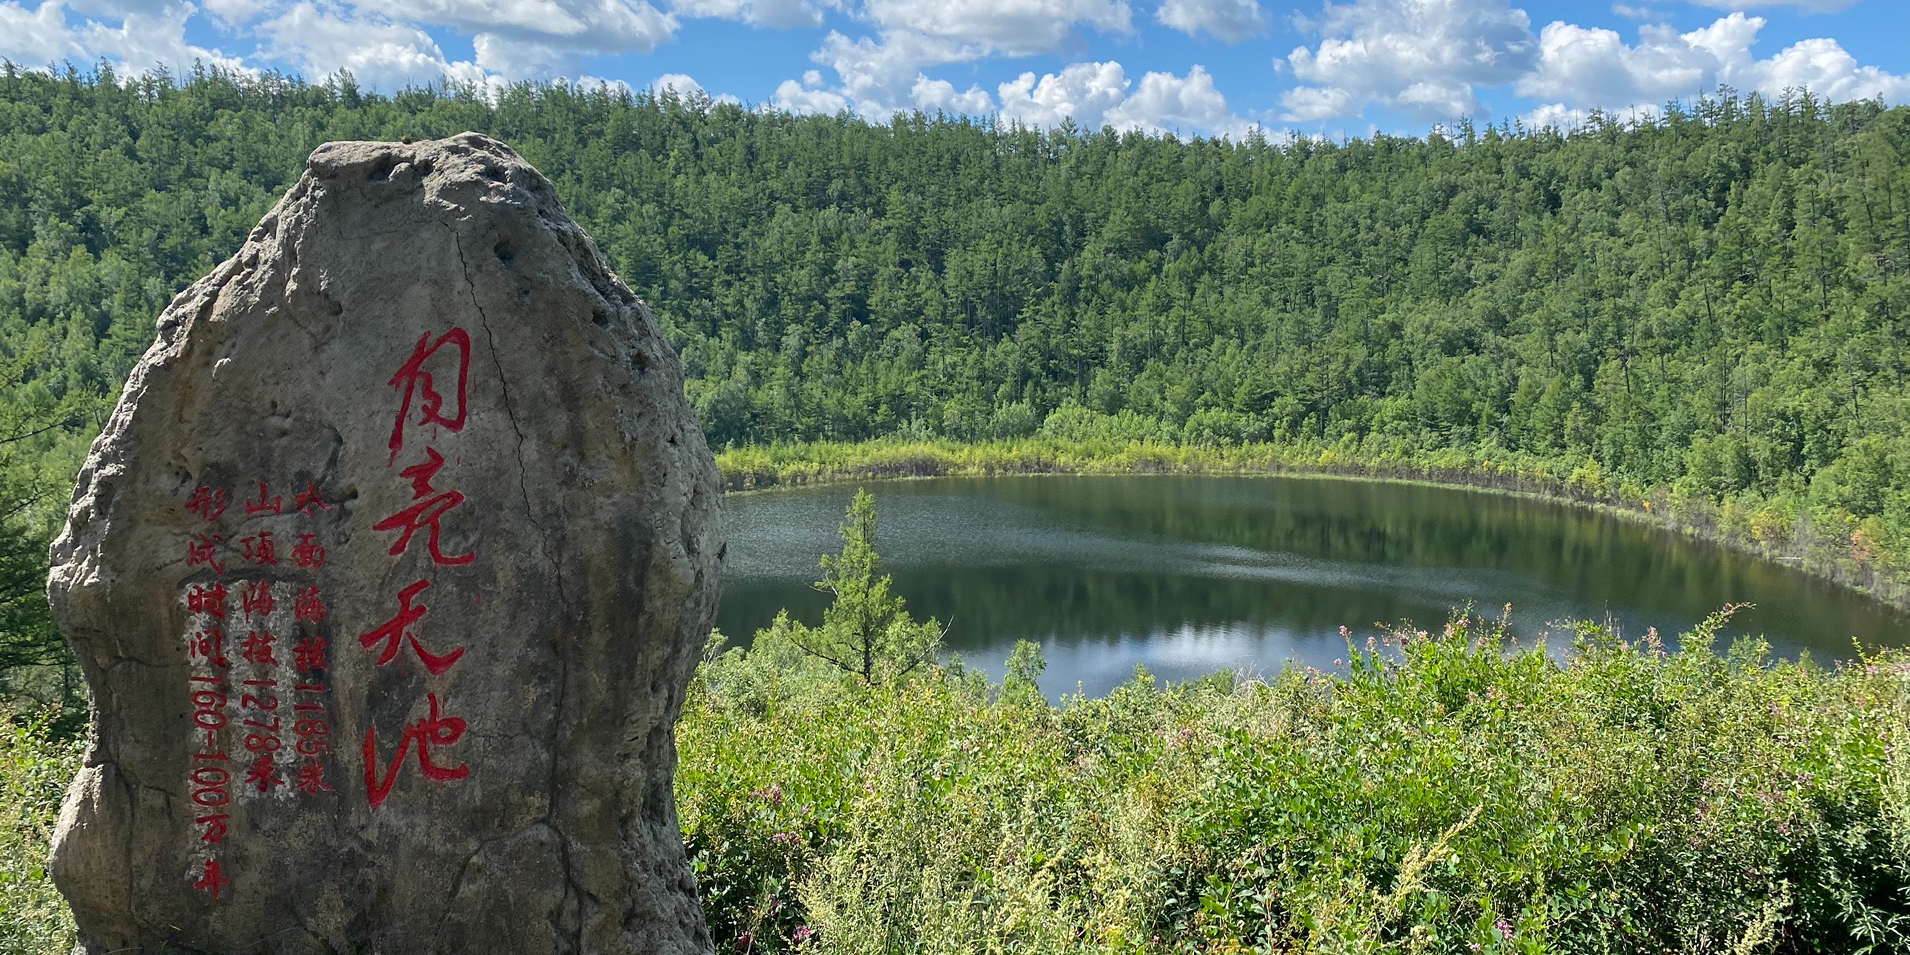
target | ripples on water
[{"x": 1191, "y": 574}]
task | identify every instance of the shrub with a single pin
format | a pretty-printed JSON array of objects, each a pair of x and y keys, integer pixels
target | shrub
[
  {"x": 1444, "y": 794},
  {"x": 35, "y": 766}
]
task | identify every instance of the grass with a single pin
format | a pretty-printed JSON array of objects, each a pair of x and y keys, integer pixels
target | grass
[
  {"x": 1443, "y": 795},
  {"x": 1440, "y": 796},
  {"x": 35, "y": 766}
]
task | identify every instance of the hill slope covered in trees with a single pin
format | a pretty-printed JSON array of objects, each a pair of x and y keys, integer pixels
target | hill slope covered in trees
[{"x": 1717, "y": 303}]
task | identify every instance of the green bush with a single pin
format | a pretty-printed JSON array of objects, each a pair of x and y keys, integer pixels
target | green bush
[
  {"x": 1442, "y": 795},
  {"x": 1445, "y": 793},
  {"x": 35, "y": 767}
]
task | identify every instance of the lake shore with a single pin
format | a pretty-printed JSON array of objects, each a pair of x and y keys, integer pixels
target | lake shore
[{"x": 1834, "y": 547}]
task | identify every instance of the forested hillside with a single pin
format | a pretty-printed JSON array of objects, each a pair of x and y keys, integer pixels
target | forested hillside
[{"x": 1718, "y": 303}]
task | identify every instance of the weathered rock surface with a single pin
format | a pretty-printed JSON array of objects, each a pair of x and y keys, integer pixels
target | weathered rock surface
[{"x": 388, "y": 575}]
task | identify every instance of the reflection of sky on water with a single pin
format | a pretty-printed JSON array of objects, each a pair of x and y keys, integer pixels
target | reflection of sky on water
[{"x": 1188, "y": 575}]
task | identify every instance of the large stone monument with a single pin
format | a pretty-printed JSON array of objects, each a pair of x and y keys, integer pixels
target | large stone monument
[{"x": 388, "y": 575}]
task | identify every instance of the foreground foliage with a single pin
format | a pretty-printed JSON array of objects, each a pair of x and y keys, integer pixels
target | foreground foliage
[
  {"x": 1439, "y": 796},
  {"x": 36, "y": 763}
]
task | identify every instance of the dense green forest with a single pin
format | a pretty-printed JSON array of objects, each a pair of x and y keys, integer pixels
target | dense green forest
[{"x": 1716, "y": 303}]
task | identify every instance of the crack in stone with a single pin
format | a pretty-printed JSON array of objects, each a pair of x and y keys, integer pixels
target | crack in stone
[
  {"x": 464, "y": 868},
  {"x": 510, "y": 412},
  {"x": 572, "y": 890}
]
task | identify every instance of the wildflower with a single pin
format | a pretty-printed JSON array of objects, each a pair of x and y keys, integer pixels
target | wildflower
[
  {"x": 802, "y": 934},
  {"x": 772, "y": 795},
  {"x": 784, "y": 838},
  {"x": 1505, "y": 929}
]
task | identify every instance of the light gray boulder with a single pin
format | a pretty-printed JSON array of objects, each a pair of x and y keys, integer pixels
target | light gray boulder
[{"x": 388, "y": 575}]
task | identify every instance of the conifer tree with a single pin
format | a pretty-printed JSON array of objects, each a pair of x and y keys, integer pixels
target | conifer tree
[{"x": 866, "y": 629}]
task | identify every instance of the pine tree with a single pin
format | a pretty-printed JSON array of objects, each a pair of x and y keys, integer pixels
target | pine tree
[{"x": 866, "y": 629}]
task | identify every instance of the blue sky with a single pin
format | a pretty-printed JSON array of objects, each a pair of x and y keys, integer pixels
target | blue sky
[{"x": 1207, "y": 67}]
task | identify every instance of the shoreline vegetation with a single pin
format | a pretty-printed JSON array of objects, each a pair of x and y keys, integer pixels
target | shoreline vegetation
[{"x": 1823, "y": 541}]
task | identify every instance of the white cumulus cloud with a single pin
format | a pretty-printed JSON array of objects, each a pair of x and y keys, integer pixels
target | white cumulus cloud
[
  {"x": 597, "y": 26},
  {"x": 380, "y": 54},
  {"x": 1230, "y": 20},
  {"x": 37, "y": 37},
  {"x": 1100, "y": 94},
  {"x": 808, "y": 96},
  {"x": 879, "y": 78},
  {"x": 767, "y": 13},
  {"x": 1183, "y": 104},
  {"x": 1813, "y": 6},
  {"x": 932, "y": 95},
  {"x": 1595, "y": 66},
  {"x": 147, "y": 36},
  {"x": 535, "y": 39},
  {"x": 886, "y": 73},
  {"x": 1011, "y": 27},
  {"x": 1422, "y": 57},
  {"x": 1581, "y": 68},
  {"x": 1084, "y": 91},
  {"x": 1556, "y": 116},
  {"x": 687, "y": 88}
]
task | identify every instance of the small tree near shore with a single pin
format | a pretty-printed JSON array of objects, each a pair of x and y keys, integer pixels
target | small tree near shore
[{"x": 867, "y": 629}]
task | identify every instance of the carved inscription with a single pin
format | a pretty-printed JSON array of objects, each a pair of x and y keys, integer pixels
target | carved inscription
[
  {"x": 258, "y": 674},
  {"x": 421, "y": 406}
]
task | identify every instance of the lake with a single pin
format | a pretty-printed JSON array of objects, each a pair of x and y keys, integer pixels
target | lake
[{"x": 1192, "y": 574}]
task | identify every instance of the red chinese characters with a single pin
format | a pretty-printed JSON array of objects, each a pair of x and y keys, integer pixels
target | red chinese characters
[
  {"x": 309, "y": 554},
  {"x": 309, "y": 607},
  {"x": 414, "y": 382},
  {"x": 207, "y": 502},
  {"x": 256, "y": 600},
  {"x": 399, "y": 627},
  {"x": 208, "y": 600},
  {"x": 212, "y": 880},
  {"x": 209, "y": 777},
  {"x": 206, "y": 647},
  {"x": 309, "y": 656},
  {"x": 309, "y": 723},
  {"x": 421, "y": 403},
  {"x": 259, "y": 647},
  {"x": 260, "y": 719},
  {"x": 305, "y": 501},
  {"x": 424, "y": 515},
  {"x": 203, "y": 551},
  {"x": 259, "y": 549},
  {"x": 262, "y": 505},
  {"x": 433, "y": 730}
]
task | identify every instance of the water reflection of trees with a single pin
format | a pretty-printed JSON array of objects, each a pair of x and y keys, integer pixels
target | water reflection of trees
[
  {"x": 1401, "y": 525},
  {"x": 1096, "y": 559},
  {"x": 990, "y": 606}
]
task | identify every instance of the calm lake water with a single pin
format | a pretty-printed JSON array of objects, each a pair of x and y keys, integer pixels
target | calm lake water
[{"x": 1189, "y": 575}]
